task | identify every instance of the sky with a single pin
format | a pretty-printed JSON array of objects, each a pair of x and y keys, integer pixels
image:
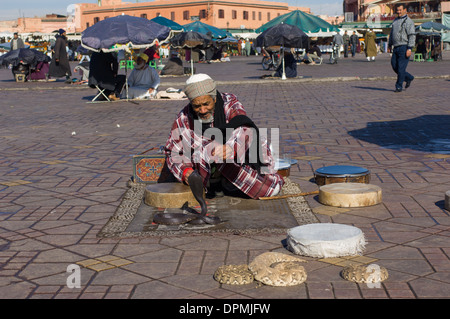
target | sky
[{"x": 12, "y": 9}]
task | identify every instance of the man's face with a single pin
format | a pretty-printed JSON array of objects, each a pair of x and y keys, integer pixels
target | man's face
[
  {"x": 203, "y": 107},
  {"x": 401, "y": 11},
  {"x": 16, "y": 36},
  {"x": 140, "y": 63}
]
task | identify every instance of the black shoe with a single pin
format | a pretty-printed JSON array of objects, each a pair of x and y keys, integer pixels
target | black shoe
[
  {"x": 408, "y": 84},
  {"x": 398, "y": 90}
]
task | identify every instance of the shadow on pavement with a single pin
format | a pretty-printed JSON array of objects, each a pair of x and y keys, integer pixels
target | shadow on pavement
[
  {"x": 372, "y": 88},
  {"x": 427, "y": 133}
]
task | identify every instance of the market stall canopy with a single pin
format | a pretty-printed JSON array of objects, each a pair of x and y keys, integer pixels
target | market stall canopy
[
  {"x": 431, "y": 27},
  {"x": 168, "y": 23},
  {"x": 113, "y": 33},
  {"x": 27, "y": 56},
  {"x": 308, "y": 23},
  {"x": 190, "y": 40},
  {"x": 204, "y": 28},
  {"x": 228, "y": 40},
  {"x": 284, "y": 35}
]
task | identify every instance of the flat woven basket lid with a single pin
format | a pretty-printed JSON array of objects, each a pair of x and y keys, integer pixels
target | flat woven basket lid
[{"x": 326, "y": 240}]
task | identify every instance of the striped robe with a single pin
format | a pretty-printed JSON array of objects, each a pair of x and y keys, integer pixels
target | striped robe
[{"x": 185, "y": 148}]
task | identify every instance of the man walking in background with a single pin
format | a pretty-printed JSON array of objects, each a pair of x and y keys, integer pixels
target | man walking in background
[
  {"x": 403, "y": 38},
  {"x": 354, "y": 40}
]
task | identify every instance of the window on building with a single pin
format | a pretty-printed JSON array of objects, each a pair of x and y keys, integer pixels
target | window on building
[
  {"x": 96, "y": 19},
  {"x": 105, "y": 18},
  {"x": 278, "y": 14},
  {"x": 253, "y": 15},
  {"x": 259, "y": 16},
  {"x": 268, "y": 16},
  {"x": 245, "y": 15},
  {"x": 172, "y": 15},
  {"x": 202, "y": 14},
  {"x": 87, "y": 25},
  {"x": 186, "y": 15},
  {"x": 234, "y": 14},
  {"x": 158, "y": 14},
  {"x": 144, "y": 15},
  {"x": 221, "y": 14}
]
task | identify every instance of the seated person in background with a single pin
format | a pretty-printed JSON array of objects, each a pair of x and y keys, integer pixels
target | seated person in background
[
  {"x": 421, "y": 48},
  {"x": 174, "y": 66},
  {"x": 143, "y": 80},
  {"x": 290, "y": 66},
  {"x": 103, "y": 69},
  {"x": 436, "y": 51},
  {"x": 39, "y": 72},
  {"x": 313, "y": 53}
]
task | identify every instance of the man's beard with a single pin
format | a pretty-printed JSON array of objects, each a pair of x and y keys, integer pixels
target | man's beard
[
  {"x": 140, "y": 66},
  {"x": 210, "y": 119}
]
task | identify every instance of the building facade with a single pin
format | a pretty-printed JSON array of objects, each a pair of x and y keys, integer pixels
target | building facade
[
  {"x": 384, "y": 10},
  {"x": 223, "y": 14},
  {"x": 47, "y": 24}
]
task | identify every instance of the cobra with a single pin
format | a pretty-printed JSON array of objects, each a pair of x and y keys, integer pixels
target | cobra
[{"x": 189, "y": 215}]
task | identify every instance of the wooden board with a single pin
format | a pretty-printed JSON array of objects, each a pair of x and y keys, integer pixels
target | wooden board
[{"x": 148, "y": 168}]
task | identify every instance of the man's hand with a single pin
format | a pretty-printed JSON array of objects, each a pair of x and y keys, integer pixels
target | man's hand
[
  {"x": 223, "y": 151},
  {"x": 186, "y": 175},
  {"x": 408, "y": 53}
]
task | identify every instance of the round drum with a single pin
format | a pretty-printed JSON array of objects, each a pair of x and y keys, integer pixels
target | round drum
[
  {"x": 326, "y": 240},
  {"x": 283, "y": 166},
  {"x": 341, "y": 174},
  {"x": 169, "y": 195},
  {"x": 350, "y": 195}
]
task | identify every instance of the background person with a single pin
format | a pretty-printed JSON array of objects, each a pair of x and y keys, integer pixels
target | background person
[
  {"x": 16, "y": 42},
  {"x": 59, "y": 65},
  {"x": 143, "y": 80},
  {"x": 354, "y": 41},
  {"x": 103, "y": 72},
  {"x": 402, "y": 38},
  {"x": 371, "y": 47}
]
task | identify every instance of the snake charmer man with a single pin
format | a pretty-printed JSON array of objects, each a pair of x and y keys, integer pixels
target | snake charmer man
[{"x": 214, "y": 136}]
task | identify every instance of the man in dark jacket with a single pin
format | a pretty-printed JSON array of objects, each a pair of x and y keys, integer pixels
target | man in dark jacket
[
  {"x": 346, "y": 39},
  {"x": 354, "y": 40},
  {"x": 59, "y": 65},
  {"x": 103, "y": 70}
]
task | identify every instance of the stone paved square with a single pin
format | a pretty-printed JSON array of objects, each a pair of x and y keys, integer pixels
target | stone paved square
[{"x": 65, "y": 163}]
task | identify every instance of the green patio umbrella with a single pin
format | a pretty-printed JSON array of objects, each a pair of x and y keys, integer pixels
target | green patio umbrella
[
  {"x": 308, "y": 23},
  {"x": 204, "y": 28},
  {"x": 168, "y": 23}
]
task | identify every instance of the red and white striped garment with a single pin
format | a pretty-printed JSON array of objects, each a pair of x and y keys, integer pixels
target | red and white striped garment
[{"x": 185, "y": 148}]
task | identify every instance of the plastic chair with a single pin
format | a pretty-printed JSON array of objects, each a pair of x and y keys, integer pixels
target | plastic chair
[
  {"x": 418, "y": 57},
  {"x": 129, "y": 64},
  {"x": 152, "y": 64}
]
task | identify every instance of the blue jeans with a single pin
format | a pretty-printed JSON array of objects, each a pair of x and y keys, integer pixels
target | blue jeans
[
  {"x": 399, "y": 62},
  {"x": 353, "y": 49}
]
